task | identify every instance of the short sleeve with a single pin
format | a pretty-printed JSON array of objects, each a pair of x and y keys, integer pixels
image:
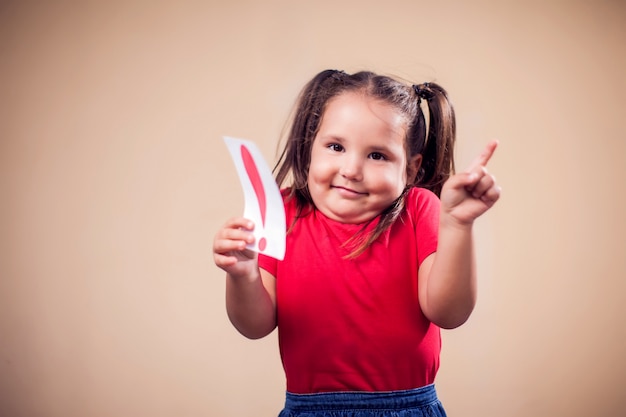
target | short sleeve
[
  {"x": 268, "y": 263},
  {"x": 423, "y": 206}
]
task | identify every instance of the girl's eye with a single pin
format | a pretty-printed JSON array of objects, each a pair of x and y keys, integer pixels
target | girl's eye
[
  {"x": 335, "y": 147},
  {"x": 377, "y": 156}
]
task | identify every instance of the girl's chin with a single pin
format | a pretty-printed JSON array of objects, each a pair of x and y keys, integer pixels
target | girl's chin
[{"x": 349, "y": 217}]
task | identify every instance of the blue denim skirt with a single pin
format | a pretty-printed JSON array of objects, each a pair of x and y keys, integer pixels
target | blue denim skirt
[{"x": 419, "y": 402}]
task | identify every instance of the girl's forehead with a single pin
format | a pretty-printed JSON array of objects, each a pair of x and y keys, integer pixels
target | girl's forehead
[
  {"x": 352, "y": 116},
  {"x": 348, "y": 101}
]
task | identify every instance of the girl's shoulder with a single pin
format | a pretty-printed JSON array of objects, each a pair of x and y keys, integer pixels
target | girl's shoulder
[
  {"x": 290, "y": 201},
  {"x": 289, "y": 198},
  {"x": 418, "y": 197},
  {"x": 421, "y": 204}
]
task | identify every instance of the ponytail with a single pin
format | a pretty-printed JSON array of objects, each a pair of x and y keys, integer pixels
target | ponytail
[{"x": 438, "y": 149}]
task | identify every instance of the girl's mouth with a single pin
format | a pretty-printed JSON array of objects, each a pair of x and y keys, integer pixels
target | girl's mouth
[{"x": 348, "y": 192}]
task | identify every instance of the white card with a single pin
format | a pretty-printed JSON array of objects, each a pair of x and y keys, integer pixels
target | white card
[{"x": 263, "y": 203}]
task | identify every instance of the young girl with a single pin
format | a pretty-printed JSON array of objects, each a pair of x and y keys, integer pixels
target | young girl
[{"x": 379, "y": 248}]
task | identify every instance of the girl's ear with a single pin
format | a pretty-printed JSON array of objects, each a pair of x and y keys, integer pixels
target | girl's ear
[{"x": 413, "y": 167}]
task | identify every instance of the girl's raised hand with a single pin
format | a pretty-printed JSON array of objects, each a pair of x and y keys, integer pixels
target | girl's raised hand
[
  {"x": 467, "y": 195},
  {"x": 229, "y": 248}
]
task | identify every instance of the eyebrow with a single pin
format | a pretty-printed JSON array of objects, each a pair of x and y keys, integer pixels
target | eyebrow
[
  {"x": 380, "y": 148},
  {"x": 332, "y": 137}
]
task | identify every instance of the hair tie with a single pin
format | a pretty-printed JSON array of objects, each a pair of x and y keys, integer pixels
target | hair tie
[{"x": 423, "y": 91}]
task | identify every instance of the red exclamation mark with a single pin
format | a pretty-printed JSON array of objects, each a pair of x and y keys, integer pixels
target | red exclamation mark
[{"x": 257, "y": 184}]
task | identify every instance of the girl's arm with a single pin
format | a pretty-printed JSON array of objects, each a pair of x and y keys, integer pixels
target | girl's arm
[
  {"x": 251, "y": 304},
  {"x": 447, "y": 283},
  {"x": 250, "y": 291},
  {"x": 447, "y": 278}
]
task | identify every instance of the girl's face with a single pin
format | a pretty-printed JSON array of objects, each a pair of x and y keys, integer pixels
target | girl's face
[{"x": 358, "y": 159}]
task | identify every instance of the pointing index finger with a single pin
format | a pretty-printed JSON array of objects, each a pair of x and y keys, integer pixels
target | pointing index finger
[{"x": 485, "y": 155}]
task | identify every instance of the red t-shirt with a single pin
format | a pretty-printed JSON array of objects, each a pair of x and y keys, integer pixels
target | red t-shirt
[{"x": 356, "y": 324}]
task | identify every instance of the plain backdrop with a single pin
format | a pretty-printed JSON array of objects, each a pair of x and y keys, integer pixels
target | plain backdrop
[{"x": 114, "y": 179}]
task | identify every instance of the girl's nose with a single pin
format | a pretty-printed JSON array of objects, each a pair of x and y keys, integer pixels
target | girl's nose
[{"x": 352, "y": 169}]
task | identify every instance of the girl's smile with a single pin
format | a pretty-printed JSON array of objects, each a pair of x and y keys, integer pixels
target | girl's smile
[
  {"x": 358, "y": 158},
  {"x": 348, "y": 192}
]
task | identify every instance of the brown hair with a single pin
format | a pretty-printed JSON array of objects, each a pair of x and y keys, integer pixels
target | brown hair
[{"x": 434, "y": 140}]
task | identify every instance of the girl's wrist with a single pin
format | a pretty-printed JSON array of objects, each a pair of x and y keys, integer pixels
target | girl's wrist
[
  {"x": 449, "y": 221},
  {"x": 245, "y": 277}
]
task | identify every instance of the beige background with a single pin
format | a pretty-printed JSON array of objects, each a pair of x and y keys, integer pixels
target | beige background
[{"x": 113, "y": 180}]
